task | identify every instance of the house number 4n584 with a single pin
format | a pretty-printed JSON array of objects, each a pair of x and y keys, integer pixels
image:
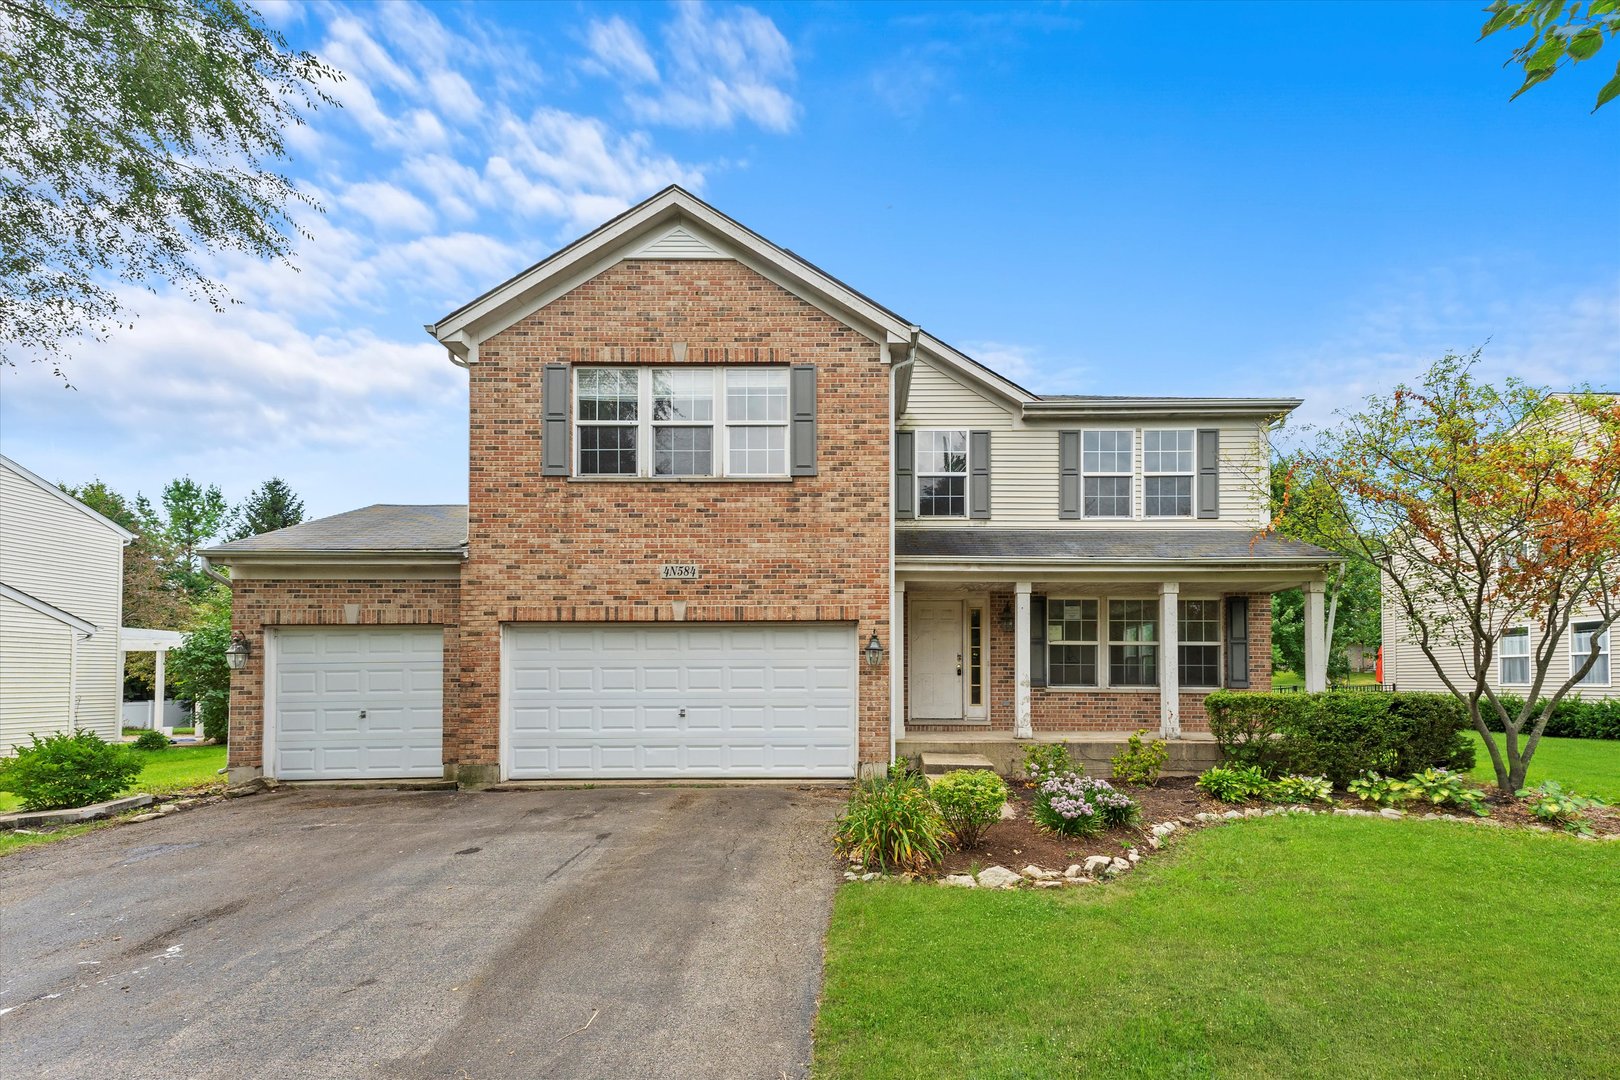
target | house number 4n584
[{"x": 680, "y": 571}]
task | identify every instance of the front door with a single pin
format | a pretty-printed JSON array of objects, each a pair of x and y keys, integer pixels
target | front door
[{"x": 935, "y": 669}]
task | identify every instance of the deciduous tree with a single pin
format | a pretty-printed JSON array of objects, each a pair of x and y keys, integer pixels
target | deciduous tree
[
  {"x": 1482, "y": 509},
  {"x": 1561, "y": 33}
]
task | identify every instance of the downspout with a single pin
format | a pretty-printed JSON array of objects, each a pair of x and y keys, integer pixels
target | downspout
[{"x": 897, "y": 690}]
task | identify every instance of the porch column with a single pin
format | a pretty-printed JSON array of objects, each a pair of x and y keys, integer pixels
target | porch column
[
  {"x": 1169, "y": 661},
  {"x": 157, "y": 689},
  {"x": 1315, "y": 637},
  {"x": 1022, "y": 726},
  {"x": 897, "y": 664}
]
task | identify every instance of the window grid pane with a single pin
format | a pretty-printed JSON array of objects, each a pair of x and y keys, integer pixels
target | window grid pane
[
  {"x": 757, "y": 396},
  {"x": 607, "y": 450},
  {"x": 1200, "y": 665},
  {"x": 1106, "y": 468},
  {"x": 942, "y": 496},
  {"x": 683, "y": 451},
  {"x": 1516, "y": 657},
  {"x": 1581, "y": 636},
  {"x": 942, "y": 453},
  {"x": 683, "y": 396},
  {"x": 1108, "y": 496},
  {"x": 1133, "y": 665},
  {"x": 757, "y": 451},
  {"x": 608, "y": 394},
  {"x": 976, "y": 656},
  {"x": 1071, "y": 665},
  {"x": 1167, "y": 496}
]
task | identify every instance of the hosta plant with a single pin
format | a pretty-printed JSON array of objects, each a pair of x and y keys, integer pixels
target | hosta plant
[
  {"x": 1301, "y": 789},
  {"x": 890, "y": 822},
  {"x": 1442, "y": 787},
  {"x": 1234, "y": 785},
  {"x": 970, "y": 801},
  {"x": 1048, "y": 760},
  {"x": 1549, "y": 802},
  {"x": 1376, "y": 788},
  {"x": 1075, "y": 805},
  {"x": 1139, "y": 762}
]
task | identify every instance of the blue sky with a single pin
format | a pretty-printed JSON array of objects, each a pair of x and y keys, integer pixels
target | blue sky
[{"x": 1307, "y": 199}]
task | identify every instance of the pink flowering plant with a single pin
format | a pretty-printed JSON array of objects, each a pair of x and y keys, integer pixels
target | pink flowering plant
[{"x": 1075, "y": 805}]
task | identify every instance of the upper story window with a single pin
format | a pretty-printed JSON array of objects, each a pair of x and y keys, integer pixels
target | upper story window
[
  {"x": 1580, "y": 638},
  {"x": 942, "y": 471},
  {"x": 1516, "y": 657},
  {"x": 1106, "y": 468},
  {"x": 667, "y": 422},
  {"x": 1167, "y": 472}
]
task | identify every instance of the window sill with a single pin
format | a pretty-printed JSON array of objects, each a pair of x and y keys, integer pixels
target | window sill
[{"x": 680, "y": 479}]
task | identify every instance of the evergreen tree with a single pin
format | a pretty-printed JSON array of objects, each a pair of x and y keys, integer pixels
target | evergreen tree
[{"x": 272, "y": 506}]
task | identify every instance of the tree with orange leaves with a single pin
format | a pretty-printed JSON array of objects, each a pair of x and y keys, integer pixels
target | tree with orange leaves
[{"x": 1482, "y": 509}]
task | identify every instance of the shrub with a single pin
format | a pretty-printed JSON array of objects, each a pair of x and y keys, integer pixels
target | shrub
[
  {"x": 1075, "y": 805},
  {"x": 1046, "y": 760},
  {"x": 1376, "y": 788},
  {"x": 1340, "y": 735},
  {"x": 1138, "y": 762},
  {"x": 151, "y": 740},
  {"x": 1442, "y": 787},
  {"x": 1233, "y": 785},
  {"x": 1572, "y": 718},
  {"x": 1549, "y": 802},
  {"x": 970, "y": 801},
  {"x": 892, "y": 822},
  {"x": 1300, "y": 789},
  {"x": 64, "y": 771}
]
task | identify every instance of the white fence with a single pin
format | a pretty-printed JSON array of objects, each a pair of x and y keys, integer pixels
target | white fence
[{"x": 139, "y": 714}]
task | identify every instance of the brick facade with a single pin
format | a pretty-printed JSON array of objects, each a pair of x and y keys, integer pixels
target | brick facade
[
  {"x": 560, "y": 549},
  {"x": 1070, "y": 710}
]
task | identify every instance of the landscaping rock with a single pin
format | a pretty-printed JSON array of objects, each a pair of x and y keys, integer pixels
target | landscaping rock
[
  {"x": 1097, "y": 864},
  {"x": 1254, "y": 811},
  {"x": 1391, "y": 813},
  {"x": 998, "y": 877},
  {"x": 1133, "y": 856},
  {"x": 1206, "y": 816},
  {"x": 145, "y": 817},
  {"x": 1118, "y": 866},
  {"x": 1153, "y": 842},
  {"x": 960, "y": 881},
  {"x": 1058, "y": 884},
  {"x": 1074, "y": 871},
  {"x": 1233, "y": 815},
  {"x": 1038, "y": 874},
  {"x": 850, "y": 875},
  {"x": 873, "y": 876}
]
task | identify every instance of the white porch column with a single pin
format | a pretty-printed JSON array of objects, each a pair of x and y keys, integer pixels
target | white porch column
[
  {"x": 1169, "y": 661},
  {"x": 897, "y": 664},
  {"x": 157, "y": 690},
  {"x": 1315, "y": 637},
  {"x": 1023, "y": 728}
]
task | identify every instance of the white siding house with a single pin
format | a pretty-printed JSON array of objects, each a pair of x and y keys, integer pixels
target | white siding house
[{"x": 61, "y": 595}]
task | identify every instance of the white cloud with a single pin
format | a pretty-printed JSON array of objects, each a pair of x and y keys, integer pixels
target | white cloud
[
  {"x": 389, "y": 207},
  {"x": 618, "y": 48},
  {"x": 1029, "y": 367}
]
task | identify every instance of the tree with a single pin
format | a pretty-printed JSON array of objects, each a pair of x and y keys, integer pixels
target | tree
[
  {"x": 1554, "y": 44},
  {"x": 151, "y": 597},
  {"x": 192, "y": 516},
  {"x": 272, "y": 506},
  {"x": 135, "y": 138},
  {"x": 200, "y": 670},
  {"x": 1481, "y": 509}
]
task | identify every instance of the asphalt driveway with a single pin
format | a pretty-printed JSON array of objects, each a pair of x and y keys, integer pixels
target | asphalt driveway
[{"x": 613, "y": 932}]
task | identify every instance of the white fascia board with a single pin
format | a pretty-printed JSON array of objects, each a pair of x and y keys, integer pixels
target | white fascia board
[
  {"x": 1038, "y": 567},
  {"x": 45, "y": 485},
  {"x": 51, "y": 611},
  {"x": 597, "y": 251},
  {"x": 1152, "y": 408},
  {"x": 959, "y": 363}
]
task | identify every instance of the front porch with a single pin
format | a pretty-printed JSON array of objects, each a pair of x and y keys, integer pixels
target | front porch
[{"x": 1190, "y": 753}]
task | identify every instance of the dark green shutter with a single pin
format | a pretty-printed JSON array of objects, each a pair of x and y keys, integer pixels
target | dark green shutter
[
  {"x": 554, "y": 421},
  {"x": 905, "y": 474},
  {"x": 1237, "y": 642},
  {"x": 1037, "y": 641}
]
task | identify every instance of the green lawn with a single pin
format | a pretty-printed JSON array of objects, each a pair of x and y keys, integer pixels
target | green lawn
[
  {"x": 179, "y": 768},
  {"x": 1590, "y": 766},
  {"x": 1277, "y": 948},
  {"x": 1288, "y": 680}
]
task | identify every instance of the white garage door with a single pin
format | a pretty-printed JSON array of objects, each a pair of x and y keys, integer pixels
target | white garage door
[
  {"x": 695, "y": 700},
  {"x": 358, "y": 703}
]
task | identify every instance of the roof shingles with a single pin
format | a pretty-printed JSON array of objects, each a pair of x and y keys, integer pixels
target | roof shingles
[
  {"x": 380, "y": 528},
  {"x": 1105, "y": 545}
]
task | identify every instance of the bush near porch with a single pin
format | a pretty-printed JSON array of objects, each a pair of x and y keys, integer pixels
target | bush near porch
[
  {"x": 166, "y": 772},
  {"x": 1341, "y": 735}
]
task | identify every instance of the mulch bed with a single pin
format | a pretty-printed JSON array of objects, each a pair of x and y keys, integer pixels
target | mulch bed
[{"x": 1018, "y": 842}]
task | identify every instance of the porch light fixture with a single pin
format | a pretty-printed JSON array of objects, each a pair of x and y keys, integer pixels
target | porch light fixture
[
  {"x": 873, "y": 651},
  {"x": 236, "y": 655}
]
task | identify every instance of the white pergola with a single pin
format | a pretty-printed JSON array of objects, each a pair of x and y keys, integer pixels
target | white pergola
[{"x": 139, "y": 639}]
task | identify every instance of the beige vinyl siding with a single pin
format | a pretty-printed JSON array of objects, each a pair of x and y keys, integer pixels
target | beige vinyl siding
[
  {"x": 1024, "y": 458},
  {"x": 61, "y": 555}
]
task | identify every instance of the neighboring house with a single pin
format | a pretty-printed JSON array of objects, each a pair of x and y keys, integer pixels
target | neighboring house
[
  {"x": 730, "y": 517},
  {"x": 61, "y": 592},
  {"x": 1407, "y": 668}
]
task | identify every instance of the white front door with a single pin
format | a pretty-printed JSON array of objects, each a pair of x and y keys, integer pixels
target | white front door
[
  {"x": 679, "y": 700},
  {"x": 934, "y": 680},
  {"x": 357, "y": 703}
]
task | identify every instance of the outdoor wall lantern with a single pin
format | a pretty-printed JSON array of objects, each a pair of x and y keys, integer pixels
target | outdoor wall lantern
[
  {"x": 236, "y": 655},
  {"x": 873, "y": 651}
]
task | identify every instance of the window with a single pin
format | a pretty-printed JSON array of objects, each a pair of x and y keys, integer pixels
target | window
[
  {"x": 1516, "y": 657},
  {"x": 1167, "y": 473},
  {"x": 683, "y": 422},
  {"x": 975, "y": 656},
  {"x": 942, "y": 466},
  {"x": 1105, "y": 465},
  {"x": 1198, "y": 641},
  {"x": 1133, "y": 642},
  {"x": 1071, "y": 642},
  {"x": 1581, "y": 635},
  {"x": 607, "y": 400},
  {"x": 756, "y": 421}
]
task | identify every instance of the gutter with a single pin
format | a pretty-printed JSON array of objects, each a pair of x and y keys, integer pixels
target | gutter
[{"x": 1146, "y": 408}]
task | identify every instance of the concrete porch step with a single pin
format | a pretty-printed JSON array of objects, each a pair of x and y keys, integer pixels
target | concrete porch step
[
  {"x": 1189, "y": 755},
  {"x": 936, "y": 764}
]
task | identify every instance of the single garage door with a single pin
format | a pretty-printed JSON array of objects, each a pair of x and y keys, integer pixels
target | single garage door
[
  {"x": 358, "y": 702},
  {"x": 733, "y": 700}
]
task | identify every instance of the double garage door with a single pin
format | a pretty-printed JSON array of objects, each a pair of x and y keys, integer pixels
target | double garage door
[{"x": 578, "y": 701}]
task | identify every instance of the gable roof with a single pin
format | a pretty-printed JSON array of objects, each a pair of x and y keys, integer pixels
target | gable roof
[
  {"x": 45, "y": 485},
  {"x": 384, "y": 528}
]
